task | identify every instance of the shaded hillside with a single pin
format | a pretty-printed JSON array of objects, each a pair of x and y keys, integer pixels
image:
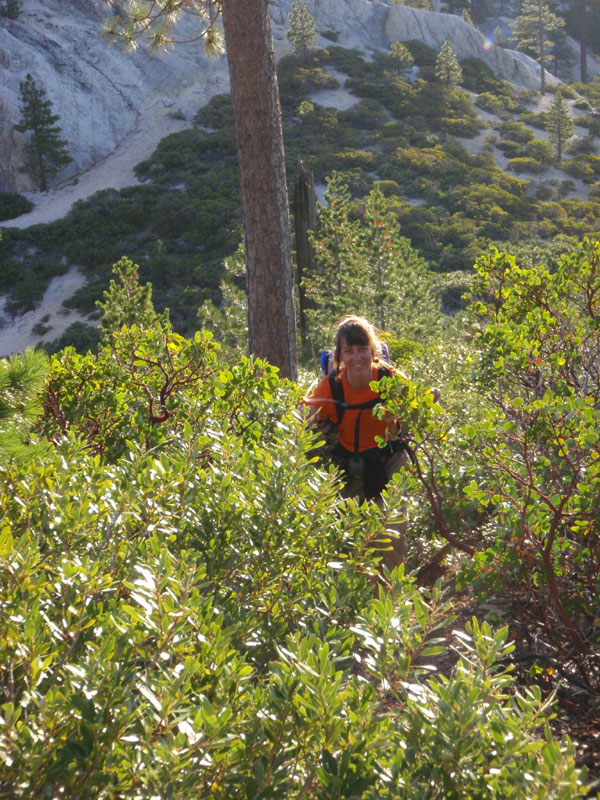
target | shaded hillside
[{"x": 408, "y": 133}]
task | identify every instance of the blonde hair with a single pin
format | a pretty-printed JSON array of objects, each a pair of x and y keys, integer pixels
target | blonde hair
[{"x": 355, "y": 330}]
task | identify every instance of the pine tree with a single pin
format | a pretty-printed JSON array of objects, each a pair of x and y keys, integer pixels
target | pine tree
[
  {"x": 46, "y": 152},
  {"x": 423, "y": 5},
  {"x": 559, "y": 124},
  {"x": 333, "y": 286},
  {"x": 127, "y": 302},
  {"x": 302, "y": 29},
  {"x": 465, "y": 15},
  {"x": 10, "y": 9},
  {"x": 394, "y": 277},
  {"x": 530, "y": 30},
  {"x": 563, "y": 55},
  {"x": 594, "y": 91},
  {"x": 447, "y": 67},
  {"x": 365, "y": 266},
  {"x": 401, "y": 57},
  {"x": 379, "y": 251},
  {"x": 455, "y": 6},
  {"x": 21, "y": 383},
  {"x": 227, "y": 319},
  {"x": 498, "y": 36},
  {"x": 583, "y": 39}
]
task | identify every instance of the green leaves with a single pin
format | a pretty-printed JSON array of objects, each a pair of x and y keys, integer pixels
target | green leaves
[
  {"x": 540, "y": 454},
  {"x": 188, "y": 610},
  {"x": 399, "y": 630},
  {"x": 21, "y": 381},
  {"x": 135, "y": 389}
]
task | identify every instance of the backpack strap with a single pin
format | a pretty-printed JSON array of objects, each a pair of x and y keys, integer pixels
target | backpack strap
[
  {"x": 337, "y": 395},
  {"x": 381, "y": 373}
]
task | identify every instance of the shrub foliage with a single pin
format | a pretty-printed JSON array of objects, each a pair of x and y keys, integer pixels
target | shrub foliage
[
  {"x": 516, "y": 487},
  {"x": 188, "y": 605}
]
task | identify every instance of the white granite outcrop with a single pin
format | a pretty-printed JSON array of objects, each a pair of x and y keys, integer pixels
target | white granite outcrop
[{"x": 100, "y": 92}]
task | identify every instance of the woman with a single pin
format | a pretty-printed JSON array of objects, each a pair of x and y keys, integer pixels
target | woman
[{"x": 344, "y": 398}]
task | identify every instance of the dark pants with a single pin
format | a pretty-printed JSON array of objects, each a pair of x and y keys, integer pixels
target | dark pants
[{"x": 392, "y": 542}]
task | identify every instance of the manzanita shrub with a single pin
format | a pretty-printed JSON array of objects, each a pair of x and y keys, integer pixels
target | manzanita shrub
[
  {"x": 188, "y": 609},
  {"x": 509, "y": 466},
  {"x": 540, "y": 441}
]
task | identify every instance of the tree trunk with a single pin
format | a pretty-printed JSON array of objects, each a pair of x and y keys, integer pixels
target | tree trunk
[
  {"x": 305, "y": 220},
  {"x": 39, "y": 157},
  {"x": 265, "y": 210},
  {"x": 583, "y": 39},
  {"x": 542, "y": 48}
]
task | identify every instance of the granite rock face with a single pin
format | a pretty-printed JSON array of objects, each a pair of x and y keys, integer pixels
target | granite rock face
[
  {"x": 99, "y": 91},
  {"x": 377, "y": 24}
]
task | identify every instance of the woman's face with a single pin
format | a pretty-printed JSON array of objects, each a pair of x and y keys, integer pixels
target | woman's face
[{"x": 358, "y": 363}]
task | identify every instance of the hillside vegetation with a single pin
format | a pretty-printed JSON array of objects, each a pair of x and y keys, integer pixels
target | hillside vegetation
[
  {"x": 190, "y": 607},
  {"x": 408, "y": 134}
]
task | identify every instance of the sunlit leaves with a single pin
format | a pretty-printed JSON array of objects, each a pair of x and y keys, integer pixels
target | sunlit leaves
[
  {"x": 540, "y": 361},
  {"x": 188, "y": 606},
  {"x": 155, "y": 23}
]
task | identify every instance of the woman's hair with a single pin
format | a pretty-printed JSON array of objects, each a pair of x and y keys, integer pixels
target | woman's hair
[{"x": 355, "y": 330}]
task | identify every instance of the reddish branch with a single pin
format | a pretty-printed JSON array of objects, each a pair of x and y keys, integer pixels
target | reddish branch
[{"x": 435, "y": 502}]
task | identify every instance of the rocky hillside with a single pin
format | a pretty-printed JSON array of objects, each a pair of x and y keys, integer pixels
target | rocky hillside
[
  {"x": 101, "y": 93},
  {"x": 98, "y": 91}
]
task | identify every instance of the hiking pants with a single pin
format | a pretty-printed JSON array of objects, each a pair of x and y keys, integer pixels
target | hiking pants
[{"x": 393, "y": 541}]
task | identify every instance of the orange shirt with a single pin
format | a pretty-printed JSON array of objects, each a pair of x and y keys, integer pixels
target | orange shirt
[{"x": 369, "y": 426}]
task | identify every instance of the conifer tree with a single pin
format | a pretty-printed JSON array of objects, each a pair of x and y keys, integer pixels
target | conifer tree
[
  {"x": 227, "y": 320},
  {"x": 582, "y": 29},
  {"x": 401, "y": 57},
  {"x": 21, "y": 382},
  {"x": 455, "y": 6},
  {"x": 447, "y": 68},
  {"x": 302, "y": 29},
  {"x": 530, "y": 31},
  {"x": 127, "y": 302},
  {"x": 563, "y": 55},
  {"x": 10, "y": 9},
  {"x": 594, "y": 91},
  {"x": 334, "y": 286},
  {"x": 423, "y": 5},
  {"x": 380, "y": 253},
  {"x": 365, "y": 266},
  {"x": 46, "y": 152},
  {"x": 498, "y": 36},
  {"x": 394, "y": 276},
  {"x": 559, "y": 124}
]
